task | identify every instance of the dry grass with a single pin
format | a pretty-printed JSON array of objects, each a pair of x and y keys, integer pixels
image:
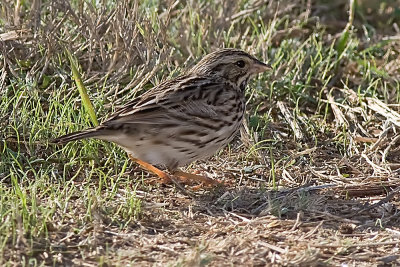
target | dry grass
[{"x": 314, "y": 180}]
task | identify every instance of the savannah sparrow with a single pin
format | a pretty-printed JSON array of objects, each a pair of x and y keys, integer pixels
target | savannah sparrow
[{"x": 183, "y": 119}]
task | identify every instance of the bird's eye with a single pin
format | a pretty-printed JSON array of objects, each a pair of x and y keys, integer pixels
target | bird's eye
[{"x": 240, "y": 63}]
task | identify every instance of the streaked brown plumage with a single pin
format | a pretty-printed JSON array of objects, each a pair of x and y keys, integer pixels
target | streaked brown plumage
[{"x": 186, "y": 118}]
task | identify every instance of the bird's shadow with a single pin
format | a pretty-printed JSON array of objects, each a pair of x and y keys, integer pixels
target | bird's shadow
[{"x": 316, "y": 203}]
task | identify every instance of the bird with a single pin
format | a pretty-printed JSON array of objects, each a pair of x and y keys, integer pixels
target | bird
[{"x": 183, "y": 119}]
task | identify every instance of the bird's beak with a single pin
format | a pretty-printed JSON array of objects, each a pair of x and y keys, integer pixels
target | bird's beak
[{"x": 259, "y": 67}]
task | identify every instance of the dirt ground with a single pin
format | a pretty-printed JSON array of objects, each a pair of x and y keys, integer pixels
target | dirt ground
[{"x": 327, "y": 221}]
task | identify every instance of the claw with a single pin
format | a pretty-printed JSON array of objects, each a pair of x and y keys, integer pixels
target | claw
[{"x": 184, "y": 177}]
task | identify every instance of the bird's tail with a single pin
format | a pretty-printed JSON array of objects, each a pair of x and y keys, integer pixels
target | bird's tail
[{"x": 92, "y": 132}]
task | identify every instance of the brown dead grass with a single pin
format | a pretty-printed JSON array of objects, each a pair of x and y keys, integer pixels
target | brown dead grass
[
  {"x": 328, "y": 220},
  {"x": 335, "y": 202}
]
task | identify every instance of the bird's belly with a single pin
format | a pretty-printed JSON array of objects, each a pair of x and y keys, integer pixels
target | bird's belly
[
  {"x": 155, "y": 155},
  {"x": 171, "y": 152},
  {"x": 171, "y": 156}
]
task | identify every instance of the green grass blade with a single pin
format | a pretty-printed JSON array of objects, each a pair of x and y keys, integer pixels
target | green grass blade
[
  {"x": 82, "y": 89},
  {"x": 344, "y": 37}
]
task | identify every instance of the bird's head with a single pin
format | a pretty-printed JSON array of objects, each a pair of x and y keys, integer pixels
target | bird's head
[{"x": 234, "y": 65}]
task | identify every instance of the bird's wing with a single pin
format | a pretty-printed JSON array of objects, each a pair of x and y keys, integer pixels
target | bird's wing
[{"x": 184, "y": 98}]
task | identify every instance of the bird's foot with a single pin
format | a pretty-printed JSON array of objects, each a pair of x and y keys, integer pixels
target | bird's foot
[
  {"x": 182, "y": 177},
  {"x": 163, "y": 177},
  {"x": 190, "y": 179}
]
